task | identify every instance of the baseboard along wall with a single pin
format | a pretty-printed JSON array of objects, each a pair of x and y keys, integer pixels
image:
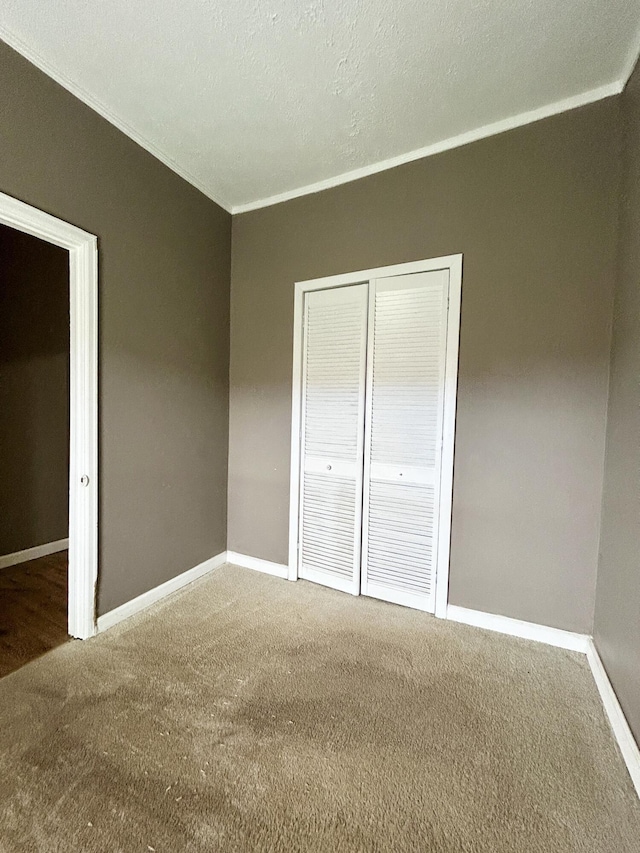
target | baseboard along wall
[
  {"x": 581, "y": 643},
  {"x": 279, "y": 570},
  {"x": 518, "y": 628},
  {"x": 622, "y": 733},
  {"x": 33, "y": 553},
  {"x": 574, "y": 642},
  {"x": 141, "y": 602}
]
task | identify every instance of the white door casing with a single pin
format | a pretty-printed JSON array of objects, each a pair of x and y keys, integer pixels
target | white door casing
[
  {"x": 83, "y": 448},
  {"x": 450, "y": 279}
]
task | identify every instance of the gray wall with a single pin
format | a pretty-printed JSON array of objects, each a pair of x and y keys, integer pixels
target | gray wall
[
  {"x": 534, "y": 212},
  {"x": 164, "y": 318},
  {"x": 34, "y": 392},
  {"x": 617, "y": 620}
]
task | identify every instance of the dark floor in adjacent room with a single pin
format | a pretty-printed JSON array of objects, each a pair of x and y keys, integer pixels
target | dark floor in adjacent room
[
  {"x": 247, "y": 714},
  {"x": 33, "y": 610}
]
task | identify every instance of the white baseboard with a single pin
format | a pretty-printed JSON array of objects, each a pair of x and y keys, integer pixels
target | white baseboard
[
  {"x": 136, "y": 605},
  {"x": 492, "y": 622},
  {"x": 617, "y": 719},
  {"x": 33, "y": 553},
  {"x": 258, "y": 565},
  {"x": 577, "y": 643},
  {"x": 518, "y": 628}
]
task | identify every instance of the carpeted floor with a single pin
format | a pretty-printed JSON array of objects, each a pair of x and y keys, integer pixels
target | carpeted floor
[{"x": 250, "y": 714}]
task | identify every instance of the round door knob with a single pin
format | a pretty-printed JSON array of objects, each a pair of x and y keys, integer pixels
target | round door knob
[
  {"x": 84, "y": 480},
  {"x": 328, "y": 467}
]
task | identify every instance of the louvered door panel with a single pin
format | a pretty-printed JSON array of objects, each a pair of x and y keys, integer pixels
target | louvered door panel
[
  {"x": 333, "y": 375},
  {"x": 405, "y": 397}
]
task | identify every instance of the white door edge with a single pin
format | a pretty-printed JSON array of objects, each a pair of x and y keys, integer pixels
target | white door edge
[
  {"x": 448, "y": 435},
  {"x": 83, "y": 447}
]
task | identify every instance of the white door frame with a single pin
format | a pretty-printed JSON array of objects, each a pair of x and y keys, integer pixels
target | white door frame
[
  {"x": 83, "y": 419},
  {"x": 453, "y": 263}
]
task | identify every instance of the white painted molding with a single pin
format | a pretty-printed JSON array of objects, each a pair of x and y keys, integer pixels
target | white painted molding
[
  {"x": 622, "y": 732},
  {"x": 83, "y": 393},
  {"x": 630, "y": 63},
  {"x": 141, "y": 602},
  {"x": 491, "y": 129},
  {"x": 279, "y": 570},
  {"x": 461, "y": 139},
  {"x": 501, "y": 624},
  {"x": 98, "y": 107},
  {"x": 517, "y": 628},
  {"x": 445, "y": 498},
  {"x": 577, "y": 643},
  {"x": 295, "y": 434},
  {"x": 33, "y": 553}
]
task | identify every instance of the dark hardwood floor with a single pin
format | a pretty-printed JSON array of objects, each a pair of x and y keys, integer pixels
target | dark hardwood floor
[{"x": 33, "y": 610}]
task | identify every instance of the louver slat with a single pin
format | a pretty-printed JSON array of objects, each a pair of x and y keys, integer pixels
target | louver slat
[
  {"x": 405, "y": 392},
  {"x": 334, "y": 360}
]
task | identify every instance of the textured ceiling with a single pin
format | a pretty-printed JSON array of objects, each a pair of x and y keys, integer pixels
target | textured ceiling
[{"x": 255, "y": 98}]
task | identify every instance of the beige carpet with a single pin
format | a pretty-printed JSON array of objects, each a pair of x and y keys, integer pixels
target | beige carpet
[{"x": 250, "y": 714}]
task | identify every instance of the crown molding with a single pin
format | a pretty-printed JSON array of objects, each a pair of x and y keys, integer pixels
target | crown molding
[
  {"x": 457, "y": 141},
  {"x": 97, "y": 106},
  {"x": 630, "y": 63}
]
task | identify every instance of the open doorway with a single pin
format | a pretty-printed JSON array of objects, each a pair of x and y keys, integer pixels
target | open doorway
[
  {"x": 34, "y": 447},
  {"x": 48, "y": 432}
]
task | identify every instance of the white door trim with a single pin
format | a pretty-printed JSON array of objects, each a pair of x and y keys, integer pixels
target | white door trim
[
  {"x": 83, "y": 449},
  {"x": 454, "y": 264},
  {"x": 448, "y": 434}
]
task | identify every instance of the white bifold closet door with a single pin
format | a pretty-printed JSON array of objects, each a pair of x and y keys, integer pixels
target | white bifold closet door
[
  {"x": 332, "y": 464},
  {"x": 403, "y": 442}
]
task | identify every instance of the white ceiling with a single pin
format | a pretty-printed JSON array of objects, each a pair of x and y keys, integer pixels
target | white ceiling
[{"x": 256, "y": 100}]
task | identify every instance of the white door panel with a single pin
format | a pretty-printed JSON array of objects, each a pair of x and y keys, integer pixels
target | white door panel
[
  {"x": 405, "y": 394},
  {"x": 372, "y": 431},
  {"x": 333, "y": 379}
]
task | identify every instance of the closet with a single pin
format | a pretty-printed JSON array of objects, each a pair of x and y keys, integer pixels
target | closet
[{"x": 370, "y": 404}]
